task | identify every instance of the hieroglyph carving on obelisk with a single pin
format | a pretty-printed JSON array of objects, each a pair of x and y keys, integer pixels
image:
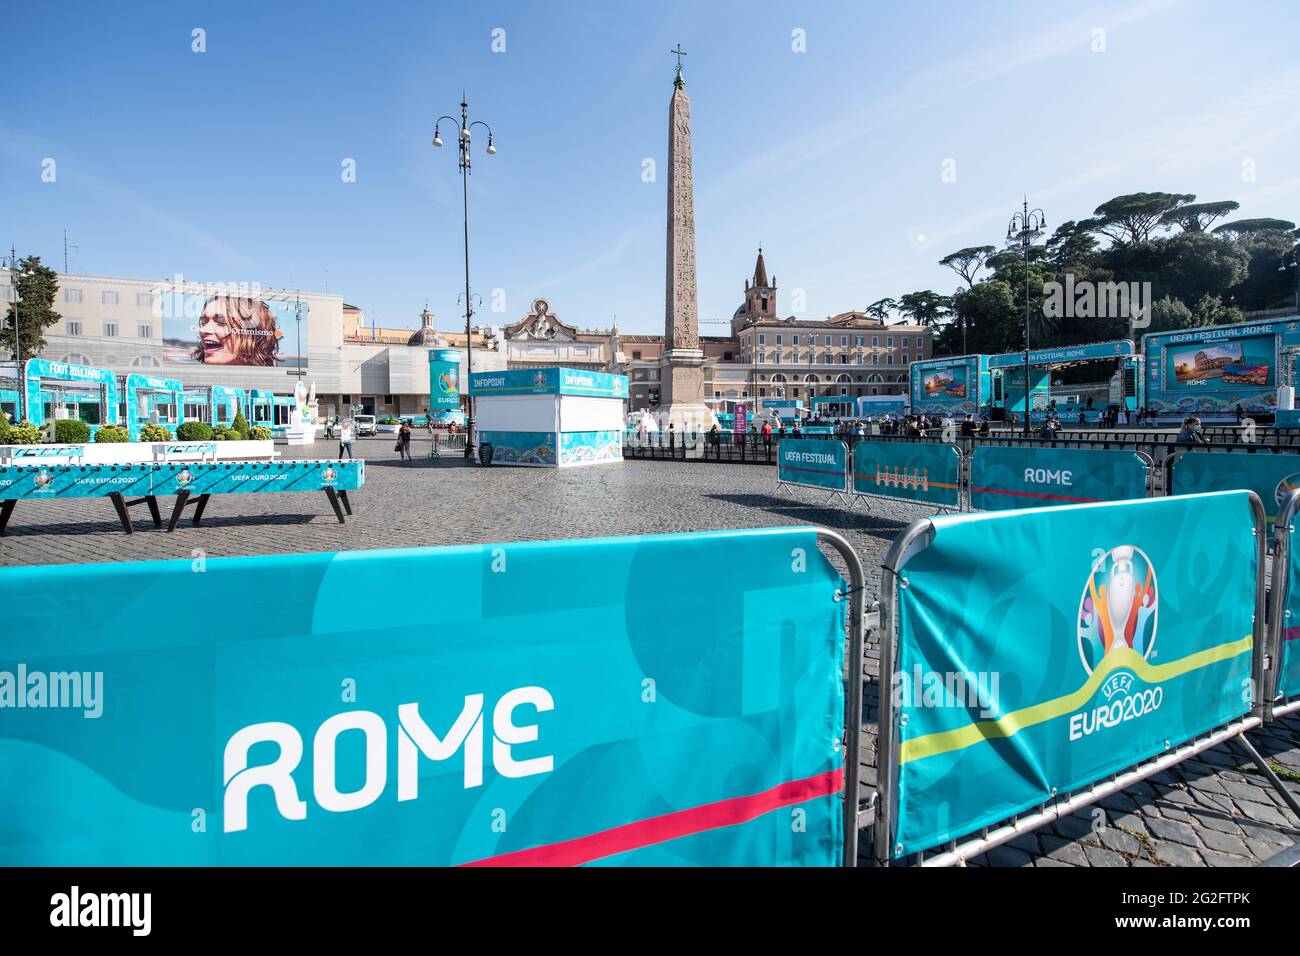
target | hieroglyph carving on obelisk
[{"x": 681, "y": 311}]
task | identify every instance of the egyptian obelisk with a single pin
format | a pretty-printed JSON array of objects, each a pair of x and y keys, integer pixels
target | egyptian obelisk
[{"x": 681, "y": 366}]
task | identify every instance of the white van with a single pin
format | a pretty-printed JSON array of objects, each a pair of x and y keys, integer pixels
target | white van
[{"x": 364, "y": 425}]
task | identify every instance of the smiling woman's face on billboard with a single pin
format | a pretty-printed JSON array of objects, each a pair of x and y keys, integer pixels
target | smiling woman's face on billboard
[{"x": 236, "y": 331}]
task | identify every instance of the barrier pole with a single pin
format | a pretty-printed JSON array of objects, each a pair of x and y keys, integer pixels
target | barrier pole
[
  {"x": 1283, "y": 527},
  {"x": 914, "y": 536},
  {"x": 855, "y": 687},
  {"x": 1259, "y": 630}
]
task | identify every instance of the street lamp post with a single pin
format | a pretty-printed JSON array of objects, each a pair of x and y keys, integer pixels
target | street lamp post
[
  {"x": 11, "y": 263},
  {"x": 462, "y": 144},
  {"x": 1024, "y": 226}
]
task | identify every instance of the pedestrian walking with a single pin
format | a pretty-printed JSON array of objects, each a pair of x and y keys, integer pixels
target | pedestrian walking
[
  {"x": 345, "y": 438},
  {"x": 404, "y": 440}
]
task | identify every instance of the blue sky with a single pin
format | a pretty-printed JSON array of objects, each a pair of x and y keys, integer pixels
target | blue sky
[{"x": 225, "y": 165}]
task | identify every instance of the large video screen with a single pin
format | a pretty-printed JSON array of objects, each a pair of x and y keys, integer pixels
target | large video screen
[
  {"x": 1212, "y": 365},
  {"x": 941, "y": 383},
  {"x": 220, "y": 329}
]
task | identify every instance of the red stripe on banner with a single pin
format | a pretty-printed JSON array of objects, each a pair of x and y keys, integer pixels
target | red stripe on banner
[
  {"x": 815, "y": 471},
  {"x": 670, "y": 826},
  {"x": 1034, "y": 494}
]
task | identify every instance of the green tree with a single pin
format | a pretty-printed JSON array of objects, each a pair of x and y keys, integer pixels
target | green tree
[
  {"x": 967, "y": 262},
  {"x": 1197, "y": 217},
  {"x": 37, "y": 286},
  {"x": 1132, "y": 218},
  {"x": 927, "y": 308},
  {"x": 1246, "y": 227},
  {"x": 880, "y": 309}
]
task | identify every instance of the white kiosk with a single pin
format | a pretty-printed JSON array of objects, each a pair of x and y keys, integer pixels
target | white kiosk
[{"x": 550, "y": 417}]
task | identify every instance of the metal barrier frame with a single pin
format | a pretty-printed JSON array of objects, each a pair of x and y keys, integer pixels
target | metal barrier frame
[
  {"x": 1148, "y": 481},
  {"x": 963, "y": 484},
  {"x": 842, "y": 492},
  {"x": 1280, "y": 593},
  {"x": 855, "y": 687},
  {"x": 915, "y": 538}
]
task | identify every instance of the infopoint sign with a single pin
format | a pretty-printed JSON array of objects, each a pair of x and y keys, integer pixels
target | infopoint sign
[
  {"x": 812, "y": 462},
  {"x": 549, "y": 381},
  {"x": 318, "y": 730},
  {"x": 1132, "y": 635},
  {"x": 1214, "y": 370},
  {"x": 444, "y": 380},
  {"x": 949, "y": 386}
]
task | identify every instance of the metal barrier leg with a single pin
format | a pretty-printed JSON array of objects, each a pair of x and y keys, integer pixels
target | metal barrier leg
[
  {"x": 6, "y": 509},
  {"x": 153, "y": 510},
  {"x": 347, "y": 505},
  {"x": 198, "y": 509},
  {"x": 334, "y": 503},
  {"x": 1267, "y": 771},
  {"x": 178, "y": 509},
  {"x": 122, "y": 514}
]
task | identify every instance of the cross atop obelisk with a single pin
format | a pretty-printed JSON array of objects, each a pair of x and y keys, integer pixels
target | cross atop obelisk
[{"x": 682, "y": 363}]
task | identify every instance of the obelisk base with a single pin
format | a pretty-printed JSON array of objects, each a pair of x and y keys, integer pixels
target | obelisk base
[{"x": 681, "y": 386}]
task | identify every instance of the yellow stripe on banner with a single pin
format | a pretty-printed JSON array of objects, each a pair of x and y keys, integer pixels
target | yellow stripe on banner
[{"x": 959, "y": 738}]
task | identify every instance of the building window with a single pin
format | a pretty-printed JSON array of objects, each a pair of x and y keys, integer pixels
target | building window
[
  {"x": 778, "y": 340},
  {"x": 144, "y": 330},
  {"x": 74, "y": 326},
  {"x": 110, "y": 330},
  {"x": 844, "y": 358},
  {"x": 762, "y": 340},
  {"x": 347, "y": 399},
  {"x": 108, "y": 298},
  {"x": 890, "y": 359},
  {"x": 143, "y": 299},
  {"x": 905, "y": 358},
  {"x": 388, "y": 399},
  {"x": 145, "y": 361},
  {"x": 844, "y": 341},
  {"x": 762, "y": 356},
  {"x": 828, "y": 341},
  {"x": 875, "y": 358},
  {"x": 889, "y": 342},
  {"x": 636, "y": 356},
  {"x": 920, "y": 343},
  {"x": 75, "y": 358},
  {"x": 875, "y": 341},
  {"x": 794, "y": 340},
  {"x": 858, "y": 341},
  {"x": 72, "y": 295},
  {"x": 726, "y": 356}
]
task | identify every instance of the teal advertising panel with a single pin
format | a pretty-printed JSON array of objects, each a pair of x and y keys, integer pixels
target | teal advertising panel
[
  {"x": 1063, "y": 355},
  {"x": 521, "y": 448},
  {"x": 913, "y": 470},
  {"x": 813, "y": 463},
  {"x": 1287, "y": 662},
  {"x": 251, "y": 477},
  {"x": 589, "y": 448},
  {"x": 950, "y": 386},
  {"x": 1213, "y": 370},
  {"x": 549, "y": 381},
  {"x": 1271, "y": 475},
  {"x": 1043, "y": 650},
  {"x": 551, "y": 715},
  {"x": 444, "y": 382},
  {"x": 34, "y": 482},
  {"x": 152, "y": 400},
  {"x": 92, "y": 392},
  {"x": 1005, "y": 477}
]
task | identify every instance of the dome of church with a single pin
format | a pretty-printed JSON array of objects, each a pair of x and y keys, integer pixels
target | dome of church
[{"x": 426, "y": 335}]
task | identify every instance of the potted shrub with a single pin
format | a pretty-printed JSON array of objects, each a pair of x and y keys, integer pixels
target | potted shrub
[
  {"x": 240, "y": 427},
  {"x": 152, "y": 432},
  {"x": 387, "y": 424},
  {"x": 71, "y": 431},
  {"x": 194, "y": 431},
  {"x": 112, "y": 433},
  {"x": 24, "y": 433},
  {"x": 259, "y": 433}
]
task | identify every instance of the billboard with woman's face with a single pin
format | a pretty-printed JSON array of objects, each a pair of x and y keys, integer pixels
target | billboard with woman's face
[{"x": 223, "y": 329}]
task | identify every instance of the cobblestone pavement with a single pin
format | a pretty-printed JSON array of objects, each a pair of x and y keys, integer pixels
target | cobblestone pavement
[{"x": 1216, "y": 810}]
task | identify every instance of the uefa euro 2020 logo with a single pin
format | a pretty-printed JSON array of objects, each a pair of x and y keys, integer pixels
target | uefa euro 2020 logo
[
  {"x": 1284, "y": 488},
  {"x": 1119, "y": 605},
  {"x": 328, "y": 475},
  {"x": 447, "y": 381},
  {"x": 184, "y": 477}
]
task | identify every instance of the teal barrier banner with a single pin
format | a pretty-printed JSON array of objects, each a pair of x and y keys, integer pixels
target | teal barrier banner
[
  {"x": 1012, "y": 476},
  {"x": 247, "y": 477},
  {"x": 1288, "y": 657},
  {"x": 1042, "y": 650},
  {"x": 552, "y": 714},
  {"x": 1271, "y": 475},
  {"x": 915, "y": 471},
  {"x": 33, "y": 482},
  {"x": 813, "y": 463}
]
